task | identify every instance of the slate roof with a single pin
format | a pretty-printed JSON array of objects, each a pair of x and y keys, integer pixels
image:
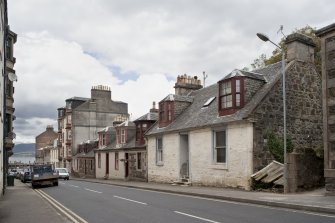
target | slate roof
[
  {"x": 195, "y": 116},
  {"x": 126, "y": 123},
  {"x": 173, "y": 97},
  {"x": 151, "y": 116},
  {"x": 90, "y": 154},
  {"x": 77, "y": 99},
  {"x": 242, "y": 73}
]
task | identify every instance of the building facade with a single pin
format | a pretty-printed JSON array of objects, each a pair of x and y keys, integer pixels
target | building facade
[
  {"x": 43, "y": 143},
  {"x": 8, "y": 39},
  {"x": 82, "y": 118},
  {"x": 327, "y": 35},
  {"x": 217, "y": 136}
]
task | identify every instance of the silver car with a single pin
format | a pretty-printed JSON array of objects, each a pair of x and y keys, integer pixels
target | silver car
[{"x": 63, "y": 173}]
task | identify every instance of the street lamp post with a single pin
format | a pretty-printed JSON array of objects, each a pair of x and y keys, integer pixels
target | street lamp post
[{"x": 265, "y": 39}]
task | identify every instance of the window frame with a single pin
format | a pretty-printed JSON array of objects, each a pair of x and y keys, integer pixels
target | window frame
[
  {"x": 99, "y": 160},
  {"x": 236, "y": 94},
  {"x": 215, "y": 147},
  {"x": 116, "y": 160},
  {"x": 139, "y": 161},
  {"x": 159, "y": 151}
]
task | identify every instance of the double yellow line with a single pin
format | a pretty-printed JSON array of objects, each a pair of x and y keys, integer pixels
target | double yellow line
[{"x": 67, "y": 212}]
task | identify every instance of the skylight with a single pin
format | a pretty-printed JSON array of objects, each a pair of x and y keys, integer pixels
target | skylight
[{"x": 208, "y": 102}]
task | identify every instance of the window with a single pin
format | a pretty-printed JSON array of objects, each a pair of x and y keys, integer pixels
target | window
[
  {"x": 116, "y": 161},
  {"x": 208, "y": 102},
  {"x": 226, "y": 97},
  {"x": 161, "y": 111},
  {"x": 220, "y": 146},
  {"x": 159, "y": 150},
  {"x": 123, "y": 136},
  {"x": 91, "y": 164},
  {"x": 99, "y": 160},
  {"x": 169, "y": 113},
  {"x": 103, "y": 139},
  {"x": 166, "y": 113},
  {"x": 231, "y": 95},
  {"x": 139, "y": 161}
]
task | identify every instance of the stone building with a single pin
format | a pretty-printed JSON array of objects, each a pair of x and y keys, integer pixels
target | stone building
[
  {"x": 44, "y": 140},
  {"x": 83, "y": 161},
  {"x": 217, "y": 135},
  {"x": 327, "y": 35},
  {"x": 82, "y": 118},
  {"x": 122, "y": 152}
]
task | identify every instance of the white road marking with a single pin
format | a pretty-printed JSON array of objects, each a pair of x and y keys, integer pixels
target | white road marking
[
  {"x": 130, "y": 200},
  {"x": 193, "y": 216},
  {"x": 233, "y": 202},
  {"x": 93, "y": 191},
  {"x": 62, "y": 183},
  {"x": 67, "y": 212},
  {"x": 73, "y": 185}
]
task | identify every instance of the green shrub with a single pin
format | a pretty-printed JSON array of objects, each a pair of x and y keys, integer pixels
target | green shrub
[{"x": 276, "y": 146}]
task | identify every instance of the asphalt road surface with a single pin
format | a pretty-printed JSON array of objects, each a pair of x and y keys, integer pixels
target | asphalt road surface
[{"x": 106, "y": 203}]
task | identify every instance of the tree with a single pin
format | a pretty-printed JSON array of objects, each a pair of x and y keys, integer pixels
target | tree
[{"x": 277, "y": 55}]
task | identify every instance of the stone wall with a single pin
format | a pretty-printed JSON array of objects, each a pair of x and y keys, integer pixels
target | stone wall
[
  {"x": 179, "y": 107},
  {"x": 251, "y": 86},
  {"x": 305, "y": 170},
  {"x": 134, "y": 172},
  {"x": 86, "y": 167},
  {"x": 304, "y": 112}
]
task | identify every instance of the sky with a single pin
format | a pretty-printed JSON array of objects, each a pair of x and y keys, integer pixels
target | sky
[{"x": 137, "y": 48}]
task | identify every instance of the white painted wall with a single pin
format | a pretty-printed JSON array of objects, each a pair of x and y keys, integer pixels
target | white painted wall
[
  {"x": 203, "y": 170},
  {"x": 169, "y": 170},
  {"x": 238, "y": 168},
  {"x": 113, "y": 173}
]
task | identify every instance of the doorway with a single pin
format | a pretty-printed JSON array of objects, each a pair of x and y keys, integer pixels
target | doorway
[
  {"x": 126, "y": 164},
  {"x": 107, "y": 163},
  {"x": 184, "y": 157}
]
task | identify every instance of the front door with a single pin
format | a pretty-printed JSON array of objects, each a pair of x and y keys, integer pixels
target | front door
[
  {"x": 184, "y": 156},
  {"x": 126, "y": 164},
  {"x": 107, "y": 163}
]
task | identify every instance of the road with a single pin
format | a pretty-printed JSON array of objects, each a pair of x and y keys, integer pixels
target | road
[{"x": 107, "y": 203}]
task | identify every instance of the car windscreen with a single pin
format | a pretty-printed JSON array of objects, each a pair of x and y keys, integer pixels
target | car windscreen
[
  {"x": 61, "y": 171},
  {"x": 42, "y": 169}
]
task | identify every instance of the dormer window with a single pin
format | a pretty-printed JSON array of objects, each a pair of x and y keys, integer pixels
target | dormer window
[
  {"x": 121, "y": 136},
  {"x": 166, "y": 113},
  {"x": 230, "y": 95},
  {"x": 103, "y": 139}
]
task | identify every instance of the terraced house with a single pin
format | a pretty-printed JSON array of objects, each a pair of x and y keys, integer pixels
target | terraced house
[
  {"x": 82, "y": 118},
  {"x": 217, "y": 135}
]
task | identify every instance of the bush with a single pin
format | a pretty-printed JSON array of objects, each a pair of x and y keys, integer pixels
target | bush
[{"x": 276, "y": 146}]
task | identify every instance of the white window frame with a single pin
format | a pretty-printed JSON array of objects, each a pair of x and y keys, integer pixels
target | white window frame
[
  {"x": 215, "y": 147},
  {"x": 159, "y": 151}
]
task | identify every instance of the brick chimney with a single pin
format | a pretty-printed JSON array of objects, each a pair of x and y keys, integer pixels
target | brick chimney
[
  {"x": 300, "y": 47},
  {"x": 186, "y": 84},
  {"x": 154, "y": 109},
  {"x": 101, "y": 92}
]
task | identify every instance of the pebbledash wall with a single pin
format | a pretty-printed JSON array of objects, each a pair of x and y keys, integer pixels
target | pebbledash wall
[{"x": 203, "y": 171}]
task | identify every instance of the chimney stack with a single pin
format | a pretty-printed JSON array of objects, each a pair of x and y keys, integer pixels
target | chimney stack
[
  {"x": 186, "y": 84},
  {"x": 101, "y": 92},
  {"x": 300, "y": 47},
  {"x": 154, "y": 109}
]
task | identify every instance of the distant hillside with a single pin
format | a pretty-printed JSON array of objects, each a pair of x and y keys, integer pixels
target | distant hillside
[{"x": 24, "y": 148}]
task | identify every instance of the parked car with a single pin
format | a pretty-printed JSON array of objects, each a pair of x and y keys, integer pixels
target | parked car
[
  {"x": 63, "y": 173},
  {"x": 26, "y": 176}
]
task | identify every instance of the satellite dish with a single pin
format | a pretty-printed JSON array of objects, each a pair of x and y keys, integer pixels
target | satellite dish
[{"x": 12, "y": 77}]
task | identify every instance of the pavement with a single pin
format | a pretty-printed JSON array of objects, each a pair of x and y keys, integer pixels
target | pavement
[{"x": 22, "y": 204}]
